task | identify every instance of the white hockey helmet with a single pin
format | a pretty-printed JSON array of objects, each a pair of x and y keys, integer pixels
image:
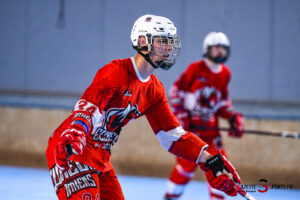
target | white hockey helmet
[
  {"x": 151, "y": 26},
  {"x": 216, "y": 39}
]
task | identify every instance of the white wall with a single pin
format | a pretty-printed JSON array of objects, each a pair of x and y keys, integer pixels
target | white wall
[{"x": 37, "y": 56}]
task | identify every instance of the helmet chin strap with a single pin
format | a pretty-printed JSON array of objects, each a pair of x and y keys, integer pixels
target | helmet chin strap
[
  {"x": 159, "y": 64},
  {"x": 147, "y": 57}
]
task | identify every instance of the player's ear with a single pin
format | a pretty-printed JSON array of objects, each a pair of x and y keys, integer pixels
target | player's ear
[{"x": 142, "y": 41}]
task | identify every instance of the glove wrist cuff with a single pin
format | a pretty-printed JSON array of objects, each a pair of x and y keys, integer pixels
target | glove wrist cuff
[{"x": 215, "y": 164}]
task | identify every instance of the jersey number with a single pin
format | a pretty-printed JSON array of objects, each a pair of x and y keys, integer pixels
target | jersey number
[{"x": 86, "y": 106}]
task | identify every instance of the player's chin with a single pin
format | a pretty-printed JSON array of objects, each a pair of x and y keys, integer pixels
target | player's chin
[{"x": 164, "y": 57}]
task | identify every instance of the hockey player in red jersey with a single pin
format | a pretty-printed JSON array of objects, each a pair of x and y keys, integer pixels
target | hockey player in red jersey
[
  {"x": 78, "y": 152},
  {"x": 198, "y": 98}
]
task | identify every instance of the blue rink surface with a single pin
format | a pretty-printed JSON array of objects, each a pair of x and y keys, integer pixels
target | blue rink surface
[{"x": 30, "y": 183}]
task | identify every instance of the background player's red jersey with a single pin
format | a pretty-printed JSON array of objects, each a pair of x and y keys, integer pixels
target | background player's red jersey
[
  {"x": 198, "y": 97},
  {"x": 203, "y": 94},
  {"x": 117, "y": 95}
]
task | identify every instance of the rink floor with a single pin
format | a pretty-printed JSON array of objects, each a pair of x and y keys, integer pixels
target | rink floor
[{"x": 30, "y": 183}]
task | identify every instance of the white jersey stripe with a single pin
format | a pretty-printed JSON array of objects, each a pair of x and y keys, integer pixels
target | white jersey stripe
[
  {"x": 203, "y": 148},
  {"x": 167, "y": 138}
]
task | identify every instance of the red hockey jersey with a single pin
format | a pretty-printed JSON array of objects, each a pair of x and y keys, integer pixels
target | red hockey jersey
[
  {"x": 203, "y": 94},
  {"x": 117, "y": 95}
]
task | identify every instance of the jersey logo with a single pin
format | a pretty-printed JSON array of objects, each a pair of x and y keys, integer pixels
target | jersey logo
[
  {"x": 115, "y": 119},
  {"x": 119, "y": 117},
  {"x": 208, "y": 99},
  {"x": 128, "y": 93},
  {"x": 148, "y": 19},
  {"x": 202, "y": 79}
]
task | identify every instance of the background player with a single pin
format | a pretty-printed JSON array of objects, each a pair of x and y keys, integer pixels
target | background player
[
  {"x": 78, "y": 152},
  {"x": 198, "y": 98}
]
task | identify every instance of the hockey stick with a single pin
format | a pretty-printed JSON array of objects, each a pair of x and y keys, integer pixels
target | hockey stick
[
  {"x": 243, "y": 193},
  {"x": 69, "y": 149},
  {"x": 283, "y": 134},
  {"x": 240, "y": 190}
]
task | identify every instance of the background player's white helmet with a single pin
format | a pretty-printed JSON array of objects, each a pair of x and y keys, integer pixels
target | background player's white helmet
[
  {"x": 216, "y": 39},
  {"x": 151, "y": 26}
]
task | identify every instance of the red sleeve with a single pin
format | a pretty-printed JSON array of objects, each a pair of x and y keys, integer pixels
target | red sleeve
[
  {"x": 226, "y": 109},
  {"x": 225, "y": 90},
  {"x": 171, "y": 135},
  {"x": 181, "y": 85},
  {"x": 161, "y": 117}
]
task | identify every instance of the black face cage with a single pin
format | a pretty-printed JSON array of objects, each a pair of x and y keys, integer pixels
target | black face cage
[{"x": 218, "y": 59}]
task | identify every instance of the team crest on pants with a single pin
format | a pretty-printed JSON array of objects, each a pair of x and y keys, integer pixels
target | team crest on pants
[
  {"x": 115, "y": 119},
  {"x": 77, "y": 178}
]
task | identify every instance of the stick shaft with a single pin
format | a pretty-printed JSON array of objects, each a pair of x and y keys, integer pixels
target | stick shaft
[
  {"x": 284, "y": 134},
  {"x": 244, "y": 194}
]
